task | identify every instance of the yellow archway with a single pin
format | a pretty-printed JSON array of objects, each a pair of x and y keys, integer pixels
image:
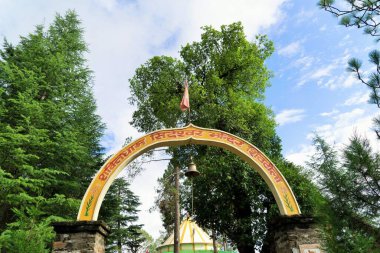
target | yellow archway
[{"x": 95, "y": 193}]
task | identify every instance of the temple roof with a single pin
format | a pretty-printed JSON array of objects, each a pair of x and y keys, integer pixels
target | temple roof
[{"x": 190, "y": 233}]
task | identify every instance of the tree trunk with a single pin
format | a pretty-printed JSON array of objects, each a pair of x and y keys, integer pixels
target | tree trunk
[
  {"x": 243, "y": 234},
  {"x": 119, "y": 246},
  {"x": 214, "y": 241},
  {"x": 246, "y": 248},
  {"x": 4, "y": 216}
]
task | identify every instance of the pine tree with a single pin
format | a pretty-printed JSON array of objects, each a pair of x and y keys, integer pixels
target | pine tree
[
  {"x": 351, "y": 184},
  {"x": 119, "y": 211}
]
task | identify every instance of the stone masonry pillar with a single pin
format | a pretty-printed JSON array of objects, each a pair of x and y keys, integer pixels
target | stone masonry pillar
[
  {"x": 295, "y": 234},
  {"x": 80, "y": 237}
]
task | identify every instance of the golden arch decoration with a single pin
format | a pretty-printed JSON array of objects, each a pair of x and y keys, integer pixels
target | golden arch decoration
[{"x": 95, "y": 193}]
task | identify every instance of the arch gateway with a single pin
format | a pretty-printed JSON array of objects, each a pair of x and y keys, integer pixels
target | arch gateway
[
  {"x": 190, "y": 134},
  {"x": 291, "y": 232}
]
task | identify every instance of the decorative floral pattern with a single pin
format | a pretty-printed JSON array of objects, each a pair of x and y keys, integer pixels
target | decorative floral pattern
[
  {"x": 287, "y": 202},
  {"x": 88, "y": 205}
]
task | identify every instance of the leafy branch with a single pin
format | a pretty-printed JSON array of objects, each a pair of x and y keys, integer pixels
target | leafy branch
[
  {"x": 359, "y": 13},
  {"x": 372, "y": 81}
]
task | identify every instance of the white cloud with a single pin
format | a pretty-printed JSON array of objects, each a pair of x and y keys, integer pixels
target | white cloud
[
  {"x": 338, "y": 132},
  {"x": 343, "y": 126},
  {"x": 301, "y": 156},
  {"x": 305, "y": 16},
  {"x": 290, "y": 49},
  {"x": 350, "y": 81},
  {"x": 325, "y": 76},
  {"x": 357, "y": 99},
  {"x": 290, "y": 116},
  {"x": 301, "y": 82},
  {"x": 323, "y": 71},
  {"x": 345, "y": 41},
  {"x": 343, "y": 80},
  {"x": 304, "y": 62},
  {"x": 317, "y": 74},
  {"x": 349, "y": 118},
  {"x": 329, "y": 114}
]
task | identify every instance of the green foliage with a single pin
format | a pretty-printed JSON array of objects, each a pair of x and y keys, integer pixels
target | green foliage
[
  {"x": 237, "y": 195},
  {"x": 351, "y": 186},
  {"x": 353, "y": 183},
  {"x": 119, "y": 211},
  {"x": 150, "y": 244},
  {"x": 227, "y": 79},
  {"x": 165, "y": 199},
  {"x": 357, "y": 13},
  {"x": 372, "y": 80},
  {"x": 354, "y": 65},
  {"x": 49, "y": 132},
  {"x": 30, "y": 233}
]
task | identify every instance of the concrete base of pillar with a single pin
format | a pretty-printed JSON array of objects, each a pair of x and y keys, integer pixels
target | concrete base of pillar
[
  {"x": 80, "y": 237},
  {"x": 295, "y": 234}
]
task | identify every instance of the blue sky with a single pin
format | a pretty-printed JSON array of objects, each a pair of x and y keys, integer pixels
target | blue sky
[{"x": 311, "y": 92}]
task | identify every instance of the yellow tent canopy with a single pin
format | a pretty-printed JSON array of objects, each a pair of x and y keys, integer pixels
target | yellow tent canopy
[{"x": 191, "y": 238}]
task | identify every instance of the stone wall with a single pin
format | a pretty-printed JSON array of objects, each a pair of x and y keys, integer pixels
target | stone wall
[
  {"x": 80, "y": 237},
  {"x": 296, "y": 234}
]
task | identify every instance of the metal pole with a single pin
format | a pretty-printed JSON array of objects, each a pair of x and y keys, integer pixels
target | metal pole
[
  {"x": 192, "y": 197},
  {"x": 176, "y": 219}
]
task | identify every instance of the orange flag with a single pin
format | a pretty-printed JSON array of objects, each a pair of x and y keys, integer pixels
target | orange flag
[{"x": 185, "y": 103}]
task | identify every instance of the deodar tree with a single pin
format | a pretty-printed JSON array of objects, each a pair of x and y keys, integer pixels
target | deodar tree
[
  {"x": 351, "y": 184},
  {"x": 49, "y": 132}
]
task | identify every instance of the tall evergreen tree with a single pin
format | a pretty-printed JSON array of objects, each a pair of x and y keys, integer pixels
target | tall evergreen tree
[
  {"x": 119, "y": 210},
  {"x": 165, "y": 198},
  {"x": 49, "y": 131},
  {"x": 352, "y": 187}
]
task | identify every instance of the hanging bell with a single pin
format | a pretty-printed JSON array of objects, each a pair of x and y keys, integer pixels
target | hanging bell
[{"x": 192, "y": 169}]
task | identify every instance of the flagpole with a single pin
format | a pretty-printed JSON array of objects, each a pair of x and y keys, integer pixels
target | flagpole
[{"x": 189, "y": 118}]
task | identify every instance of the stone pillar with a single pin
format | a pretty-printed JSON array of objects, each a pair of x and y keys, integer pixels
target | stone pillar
[
  {"x": 294, "y": 234},
  {"x": 80, "y": 237}
]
